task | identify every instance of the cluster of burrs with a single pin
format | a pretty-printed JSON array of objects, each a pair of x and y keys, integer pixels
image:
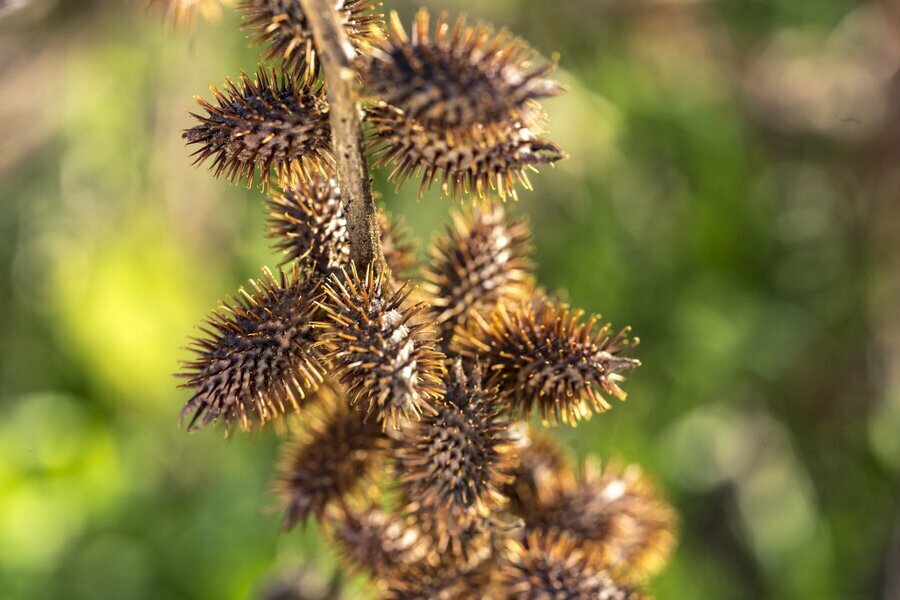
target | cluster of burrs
[{"x": 407, "y": 389}]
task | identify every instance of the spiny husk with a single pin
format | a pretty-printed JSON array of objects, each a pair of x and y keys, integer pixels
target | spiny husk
[
  {"x": 308, "y": 224},
  {"x": 612, "y": 509},
  {"x": 183, "y": 13},
  {"x": 274, "y": 120},
  {"x": 379, "y": 350},
  {"x": 541, "y": 463},
  {"x": 429, "y": 582},
  {"x": 453, "y": 462},
  {"x": 258, "y": 358},
  {"x": 539, "y": 352},
  {"x": 481, "y": 260},
  {"x": 543, "y": 565},
  {"x": 332, "y": 454},
  {"x": 464, "y": 160},
  {"x": 462, "y": 76},
  {"x": 282, "y": 27},
  {"x": 373, "y": 540}
]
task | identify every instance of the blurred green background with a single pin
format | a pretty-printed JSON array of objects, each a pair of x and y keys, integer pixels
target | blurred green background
[{"x": 733, "y": 193}]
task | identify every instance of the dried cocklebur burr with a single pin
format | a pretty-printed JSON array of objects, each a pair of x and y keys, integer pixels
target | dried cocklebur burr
[
  {"x": 553, "y": 565},
  {"x": 461, "y": 76},
  {"x": 541, "y": 462},
  {"x": 374, "y": 540},
  {"x": 463, "y": 161},
  {"x": 378, "y": 349},
  {"x": 283, "y": 28},
  {"x": 613, "y": 509},
  {"x": 452, "y": 462},
  {"x": 308, "y": 223},
  {"x": 540, "y": 352},
  {"x": 274, "y": 120},
  {"x": 481, "y": 260},
  {"x": 258, "y": 358},
  {"x": 333, "y": 452}
]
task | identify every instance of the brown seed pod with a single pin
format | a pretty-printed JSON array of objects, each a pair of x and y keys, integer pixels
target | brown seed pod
[
  {"x": 453, "y": 462},
  {"x": 372, "y": 539},
  {"x": 282, "y": 26},
  {"x": 183, "y": 13},
  {"x": 540, "y": 352},
  {"x": 398, "y": 246},
  {"x": 273, "y": 120},
  {"x": 552, "y": 565},
  {"x": 424, "y": 581},
  {"x": 614, "y": 510},
  {"x": 480, "y": 261},
  {"x": 308, "y": 224},
  {"x": 541, "y": 463},
  {"x": 331, "y": 455},
  {"x": 257, "y": 359},
  {"x": 462, "y": 76},
  {"x": 385, "y": 358},
  {"x": 464, "y": 160}
]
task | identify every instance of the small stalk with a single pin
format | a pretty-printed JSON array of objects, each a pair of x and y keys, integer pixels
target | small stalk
[{"x": 336, "y": 54}]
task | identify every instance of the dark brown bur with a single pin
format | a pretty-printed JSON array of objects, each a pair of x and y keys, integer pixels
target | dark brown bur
[
  {"x": 481, "y": 260},
  {"x": 614, "y": 510},
  {"x": 463, "y": 161},
  {"x": 461, "y": 76},
  {"x": 385, "y": 358},
  {"x": 257, "y": 359},
  {"x": 454, "y": 461},
  {"x": 270, "y": 121},
  {"x": 308, "y": 224},
  {"x": 283, "y": 28},
  {"x": 539, "y": 352},
  {"x": 544, "y": 566},
  {"x": 332, "y": 454}
]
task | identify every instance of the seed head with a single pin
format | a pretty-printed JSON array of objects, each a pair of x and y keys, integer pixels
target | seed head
[
  {"x": 282, "y": 26},
  {"x": 551, "y": 565},
  {"x": 462, "y": 76},
  {"x": 540, "y": 352},
  {"x": 379, "y": 351},
  {"x": 480, "y": 261},
  {"x": 462, "y": 159},
  {"x": 308, "y": 224},
  {"x": 614, "y": 510},
  {"x": 541, "y": 464},
  {"x": 183, "y": 13},
  {"x": 453, "y": 462},
  {"x": 377, "y": 541},
  {"x": 435, "y": 582},
  {"x": 273, "y": 120},
  {"x": 257, "y": 358},
  {"x": 332, "y": 454}
]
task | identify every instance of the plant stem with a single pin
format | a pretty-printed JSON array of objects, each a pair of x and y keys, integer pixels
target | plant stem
[{"x": 336, "y": 54}]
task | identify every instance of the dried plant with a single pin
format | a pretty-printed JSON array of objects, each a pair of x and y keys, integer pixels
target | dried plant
[
  {"x": 257, "y": 359},
  {"x": 274, "y": 120},
  {"x": 408, "y": 445}
]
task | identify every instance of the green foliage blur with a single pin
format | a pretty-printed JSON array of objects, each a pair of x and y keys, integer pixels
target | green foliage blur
[{"x": 732, "y": 193}]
